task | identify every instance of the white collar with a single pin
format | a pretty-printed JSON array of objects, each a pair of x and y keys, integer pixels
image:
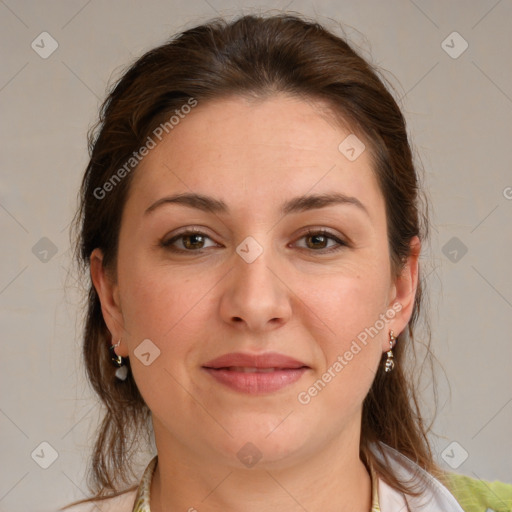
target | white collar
[{"x": 435, "y": 497}]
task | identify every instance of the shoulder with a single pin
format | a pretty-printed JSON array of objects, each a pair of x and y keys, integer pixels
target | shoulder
[
  {"x": 475, "y": 495},
  {"x": 446, "y": 490},
  {"x": 122, "y": 503}
]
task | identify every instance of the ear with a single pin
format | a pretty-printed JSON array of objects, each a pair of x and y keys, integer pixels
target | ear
[
  {"x": 108, "y": 293},
  {"x": 404, "y": 292}
]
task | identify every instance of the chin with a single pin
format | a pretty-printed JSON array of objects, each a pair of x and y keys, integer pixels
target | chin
[{"x": 263, "y": 447}]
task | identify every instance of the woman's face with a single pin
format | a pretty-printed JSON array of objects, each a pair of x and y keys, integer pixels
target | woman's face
[{"x": 300, "y": 320}]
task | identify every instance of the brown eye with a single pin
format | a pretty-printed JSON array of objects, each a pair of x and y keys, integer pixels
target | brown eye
[
  {"x": 318, "y": 241},
  {"x": 193, "y": 241},
  {"x": 190, "y": 241}
]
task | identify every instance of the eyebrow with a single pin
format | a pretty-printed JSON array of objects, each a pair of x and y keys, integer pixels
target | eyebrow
[{"x": 295, "y": 205}]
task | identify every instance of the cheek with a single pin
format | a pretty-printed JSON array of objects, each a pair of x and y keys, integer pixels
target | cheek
[
  {"x": 348, "y": 301},
  {"x": 351, "y": 308},
  {"x": 155, "y": 301},
  {"x": 349, "y": 346},
  {"x": 167, "y": 309},
  {"x": 175, "y": 312}
]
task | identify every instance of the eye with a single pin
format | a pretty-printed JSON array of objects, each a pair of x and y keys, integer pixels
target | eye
[
  {"x": 190, "y": 241},
  {"x": 318, "y": 241},
  {"x": 195, "y": 241}
]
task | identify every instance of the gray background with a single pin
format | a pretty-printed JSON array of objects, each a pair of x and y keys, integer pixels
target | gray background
[{"x": 459, "y": 116}]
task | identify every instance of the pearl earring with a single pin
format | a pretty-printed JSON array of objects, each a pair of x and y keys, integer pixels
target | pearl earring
[{"x": 119, "y": 362}]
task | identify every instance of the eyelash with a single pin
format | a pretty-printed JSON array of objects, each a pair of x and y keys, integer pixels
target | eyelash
[{"x": 167, "y": 244}]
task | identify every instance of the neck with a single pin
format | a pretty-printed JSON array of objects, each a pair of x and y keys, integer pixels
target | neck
[{"x": 333, "y": 479}]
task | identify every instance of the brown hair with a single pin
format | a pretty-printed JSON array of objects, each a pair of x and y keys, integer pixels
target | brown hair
[{"x": 255, "y": 57}]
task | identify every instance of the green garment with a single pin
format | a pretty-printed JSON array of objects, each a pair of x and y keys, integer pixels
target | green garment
[{"x": 475, "y": 495}]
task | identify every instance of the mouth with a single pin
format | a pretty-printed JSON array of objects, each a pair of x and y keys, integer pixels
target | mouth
[
  {"x": 255, "y": 374},
  {"x": 245, "y": 369}
]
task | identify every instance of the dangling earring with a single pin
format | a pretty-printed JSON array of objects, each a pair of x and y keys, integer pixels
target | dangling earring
[
  {"x": 390, "y": 363},
  {"x": 119, "y": 362}
]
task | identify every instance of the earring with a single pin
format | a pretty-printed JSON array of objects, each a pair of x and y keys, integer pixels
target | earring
[
  {"x": 390, "y": 363},
  {"x": 119, "y": 362}
]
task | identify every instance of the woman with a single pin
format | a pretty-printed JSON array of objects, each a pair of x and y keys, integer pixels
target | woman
[{"x": 251, "y": 220}]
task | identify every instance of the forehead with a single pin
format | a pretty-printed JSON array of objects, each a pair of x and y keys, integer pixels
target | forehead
[{"x": 255, "y": 153}]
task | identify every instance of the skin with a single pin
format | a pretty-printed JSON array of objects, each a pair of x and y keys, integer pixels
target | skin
[{"x": 294, "y": 299}]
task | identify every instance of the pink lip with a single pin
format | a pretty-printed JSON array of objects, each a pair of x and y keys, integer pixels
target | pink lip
[{"x": 272, "y": 371}]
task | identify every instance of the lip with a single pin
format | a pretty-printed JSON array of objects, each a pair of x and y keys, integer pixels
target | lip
[{"x": 255, "y": 373}]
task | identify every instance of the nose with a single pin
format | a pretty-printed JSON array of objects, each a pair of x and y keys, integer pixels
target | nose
[{"x": 255, "y": 296}]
